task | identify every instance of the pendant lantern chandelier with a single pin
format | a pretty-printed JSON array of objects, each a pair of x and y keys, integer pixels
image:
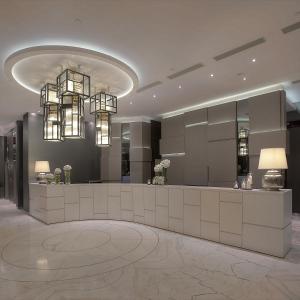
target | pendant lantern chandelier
[
  {"x": 52, "y": 122},
  {"x": 103, "y": 102},
  {"x": 49, "y": 95},
  {"x": 73, "y": 83},
  {"x": 63, "y": 106},
  {"x": 73, "y": 117},
  {"x": 103, "y": 129}
]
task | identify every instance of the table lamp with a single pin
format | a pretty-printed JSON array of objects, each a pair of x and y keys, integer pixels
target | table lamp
[
  {"x": 41, "y": 168},
  {"x": 273, "y": 160}
]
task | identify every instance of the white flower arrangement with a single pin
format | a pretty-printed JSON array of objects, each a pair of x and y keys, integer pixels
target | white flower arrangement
[
  {"x": 50, "y": 176},
  {"x": 160, "y": 180},
  {"x": 57, "y": 171},
  {"x": 158, "y": 168},
  {"x": 67, "y": 168},
  {"x": 165, "y": 163}
]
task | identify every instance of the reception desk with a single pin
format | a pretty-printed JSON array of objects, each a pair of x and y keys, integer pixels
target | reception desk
[{"x": 257, "y": 220}]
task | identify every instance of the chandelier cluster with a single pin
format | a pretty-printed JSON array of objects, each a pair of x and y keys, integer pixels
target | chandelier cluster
[{"x": 63, "y": 105}]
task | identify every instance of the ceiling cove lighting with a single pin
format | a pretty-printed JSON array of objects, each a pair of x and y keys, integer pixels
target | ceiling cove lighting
[
  {"x": 227, "y": 99},
  {"x": 31, "y": 50},
  {"x": 173, "y": 154}
]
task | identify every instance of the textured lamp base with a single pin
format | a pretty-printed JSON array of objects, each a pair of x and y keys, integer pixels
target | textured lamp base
[
  {"x": 272, "y": 180},
  {"x": 41, "y": 178}
]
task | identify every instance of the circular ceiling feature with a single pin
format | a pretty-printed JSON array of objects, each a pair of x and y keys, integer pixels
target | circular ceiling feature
[{"x": 35, "y": 66}]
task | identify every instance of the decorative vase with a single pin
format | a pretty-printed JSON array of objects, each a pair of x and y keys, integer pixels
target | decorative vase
[
  {"x": 165, "y": 175},
  {"x": 57, "y": 178},
  {"x": 67, "y": 176},
  {"x": 49, "y": 178}
]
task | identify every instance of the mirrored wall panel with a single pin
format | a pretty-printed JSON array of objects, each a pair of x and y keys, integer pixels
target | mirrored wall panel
[
  {"x": 125, "y": 133},
  {"x": 243, "y": 127}
]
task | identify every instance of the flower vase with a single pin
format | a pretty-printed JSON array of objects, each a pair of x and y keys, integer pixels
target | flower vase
[
  {"x": 165, "y": 176},
  {"x": 67, "y": 176},
  {"x": 57, "y": 178}
]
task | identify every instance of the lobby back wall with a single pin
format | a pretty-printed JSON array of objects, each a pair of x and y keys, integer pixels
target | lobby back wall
[
  {"x": 202, "y": 144},
  {"x": 82, "y": 154}
]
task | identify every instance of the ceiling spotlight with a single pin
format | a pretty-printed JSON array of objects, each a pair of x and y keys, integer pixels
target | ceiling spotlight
[
  {"x": 130, "y": 102},
  {"x": 253, "y": 60},
  {"x": 212, "y": 75},
  {"x": 179, "y": 86},
  {"x": 154, "y": 96},
  {"x": 244, "y": 78}
]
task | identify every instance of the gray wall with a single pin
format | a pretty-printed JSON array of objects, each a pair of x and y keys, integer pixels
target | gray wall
[
  {"x": 195, "y": 159},
  {"x": 172, "y": 142},
  {"x": 83, "y": 155},
  {"x": 207, "y": 140},
  {"x": 111, "y": 157},
  {"x": 140, "y": 152},
  {"x": 222, "y": 144}
]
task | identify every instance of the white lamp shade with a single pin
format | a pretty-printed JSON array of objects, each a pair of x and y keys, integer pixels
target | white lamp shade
[
  {"x": 272, "y": 158},
  {"x": 42, "y": 166}
]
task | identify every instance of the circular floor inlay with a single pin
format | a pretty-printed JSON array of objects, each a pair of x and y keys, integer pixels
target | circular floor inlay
[
  {"x": 74, "y": 250},
  {"x": 72, "y": 241}
]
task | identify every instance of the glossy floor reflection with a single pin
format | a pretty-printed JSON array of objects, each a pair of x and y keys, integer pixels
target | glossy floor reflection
[{"x": 119, "y": 260}]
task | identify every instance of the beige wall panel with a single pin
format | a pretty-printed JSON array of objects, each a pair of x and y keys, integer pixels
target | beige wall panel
[
  {"x": 222, "y": 131},
  {"x": 270, "y": 139},
  {"x": 222, "y": 113},
  {"x": 196, "y": 116}
]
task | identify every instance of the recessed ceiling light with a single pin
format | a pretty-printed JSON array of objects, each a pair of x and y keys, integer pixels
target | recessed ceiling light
[
  {"x": 130, "y": 102},
  {"x": 212, "y": 75},
  {"x": 179, "y": 86},
  {"x": 39, "y": 111},
  {"x": 253, "y": 60},
  {"x": 154, "y": 96},
  {"x": 244, "y": 78}
]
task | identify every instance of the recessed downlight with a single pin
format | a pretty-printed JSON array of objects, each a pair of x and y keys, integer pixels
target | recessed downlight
[
  {"x": 244, "y": 78},
  {"x": 154, "y": 95},
  {"x": 253, "y": 59},
  {"x": 179, "y": 86},
  {"x": 212, "y": 75},
  {"x": 130, "y": 102}
]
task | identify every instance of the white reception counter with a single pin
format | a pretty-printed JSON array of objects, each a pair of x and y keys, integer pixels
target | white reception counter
[{"x": 257, "y": 220}]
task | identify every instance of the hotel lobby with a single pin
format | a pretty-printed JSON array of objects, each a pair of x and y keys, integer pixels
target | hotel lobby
[{"x": 150, "y": 150}]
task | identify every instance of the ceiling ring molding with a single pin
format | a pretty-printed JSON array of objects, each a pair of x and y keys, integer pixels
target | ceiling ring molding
[{"x": 123, "y": 78}]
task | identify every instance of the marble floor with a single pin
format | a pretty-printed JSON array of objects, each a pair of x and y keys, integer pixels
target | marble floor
[{"x": 112, "y": 260}]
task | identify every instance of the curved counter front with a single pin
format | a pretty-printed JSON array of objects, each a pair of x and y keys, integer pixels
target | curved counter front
[{"x": 257, "y": 220}]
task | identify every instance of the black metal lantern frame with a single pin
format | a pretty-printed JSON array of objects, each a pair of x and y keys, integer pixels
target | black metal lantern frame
[
  {"x": 73, "y": 83},
  {"x": 102, "y": 102},
  {"x": 52, "y": 121},
  {"x": 73, "y": 125},
  {"x": 48, "y": 95},
  {"x": 103, "y": 129}
]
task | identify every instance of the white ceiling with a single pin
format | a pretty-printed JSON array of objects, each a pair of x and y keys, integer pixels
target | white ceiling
[{"x": 157, "y": 38}]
